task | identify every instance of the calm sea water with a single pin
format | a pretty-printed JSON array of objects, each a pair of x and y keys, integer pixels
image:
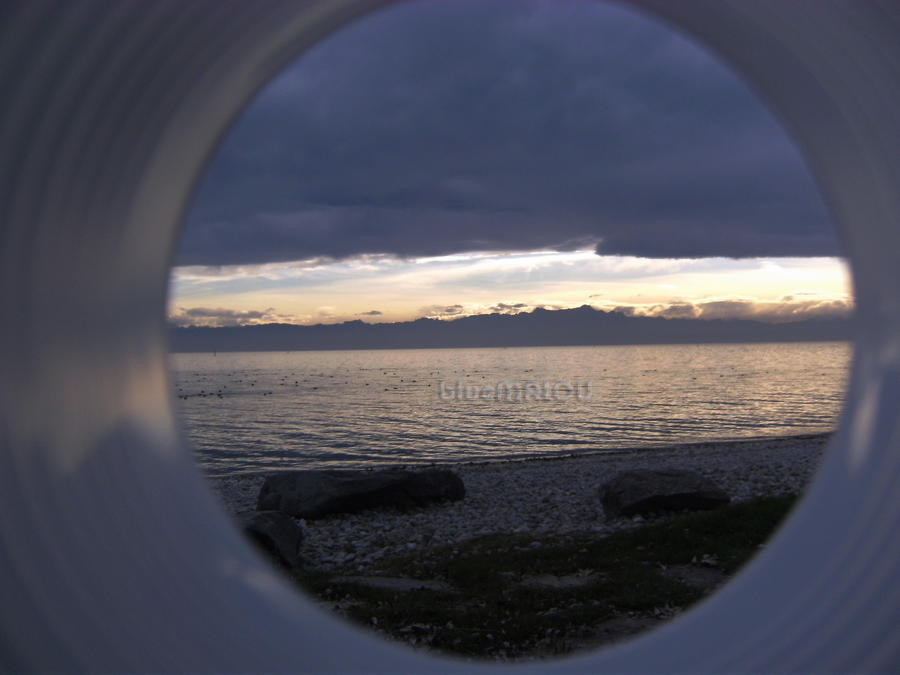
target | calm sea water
[{"x": 264, "y": 410}]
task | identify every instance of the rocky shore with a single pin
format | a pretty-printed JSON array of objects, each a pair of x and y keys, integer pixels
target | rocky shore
[{"x": 549, "y": 495}]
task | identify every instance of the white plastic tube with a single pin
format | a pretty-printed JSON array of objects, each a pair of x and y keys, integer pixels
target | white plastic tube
[{"x": 113, "y": 554}]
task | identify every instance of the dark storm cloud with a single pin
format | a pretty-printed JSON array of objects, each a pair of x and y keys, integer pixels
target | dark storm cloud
[
  {"x": 433, "y": 128},
  {"x": 372, "y": 312}
]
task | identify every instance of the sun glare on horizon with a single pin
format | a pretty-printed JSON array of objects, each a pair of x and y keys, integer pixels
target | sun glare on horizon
[{"x": 389, "y": 289}]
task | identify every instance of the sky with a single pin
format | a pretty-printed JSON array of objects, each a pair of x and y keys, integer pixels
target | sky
[{"x": 441, "y": 159}]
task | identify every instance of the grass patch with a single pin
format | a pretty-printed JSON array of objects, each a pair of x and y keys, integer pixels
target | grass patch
[{"x": 520, "y": 596}]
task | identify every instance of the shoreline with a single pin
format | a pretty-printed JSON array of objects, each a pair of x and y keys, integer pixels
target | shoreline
[
  {"x": 713, "y": 444},
  {"x": 540, "y": 495},
  {"x": 539, "y": 456}
]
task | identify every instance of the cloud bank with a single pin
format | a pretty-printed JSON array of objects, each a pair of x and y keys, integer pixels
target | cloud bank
[
  {"x": 434, "y": 128},
  {"x": 220, "y": 317}
]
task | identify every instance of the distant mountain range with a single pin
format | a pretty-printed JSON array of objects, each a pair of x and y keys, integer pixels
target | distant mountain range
[{"x": 541, "y": 327}]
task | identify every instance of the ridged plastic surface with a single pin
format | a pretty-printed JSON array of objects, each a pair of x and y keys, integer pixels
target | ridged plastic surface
[{"x": 113, "y": 554}]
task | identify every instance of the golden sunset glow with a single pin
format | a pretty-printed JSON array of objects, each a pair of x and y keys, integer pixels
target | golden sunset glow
[{"x": 383, "y": 288}]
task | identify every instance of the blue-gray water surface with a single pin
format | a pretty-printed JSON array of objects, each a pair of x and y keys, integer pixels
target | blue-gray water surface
[{"x": 256, "y": 411}]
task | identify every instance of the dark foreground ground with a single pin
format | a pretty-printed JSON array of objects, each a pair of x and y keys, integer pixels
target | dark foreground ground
[{"x": 521, "y": 596}]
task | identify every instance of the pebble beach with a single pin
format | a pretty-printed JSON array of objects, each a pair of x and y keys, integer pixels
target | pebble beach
[{"x": 538, "y": 496}]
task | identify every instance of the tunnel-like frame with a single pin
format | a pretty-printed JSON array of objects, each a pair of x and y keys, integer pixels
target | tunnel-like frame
[{"x": 113, "y": 554}]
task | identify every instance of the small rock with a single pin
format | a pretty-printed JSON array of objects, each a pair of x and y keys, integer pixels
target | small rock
[
  {"x": 642, "y": 492},
  {"x": 316, "y": 494},
  {"x": 275, "y": 533}
]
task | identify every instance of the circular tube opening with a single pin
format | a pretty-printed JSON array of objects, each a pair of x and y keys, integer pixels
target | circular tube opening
[{"x": 514, "y": 570}]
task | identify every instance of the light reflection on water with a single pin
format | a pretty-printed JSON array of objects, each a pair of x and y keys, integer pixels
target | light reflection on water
[{"x": 378, "y": 407}]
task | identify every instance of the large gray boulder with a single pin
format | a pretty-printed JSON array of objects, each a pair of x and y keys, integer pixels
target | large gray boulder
[
  {"x": 276, "y": 533},
  {"x": 652, "y": 491},
  {"x": 316, "y": 494}
]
